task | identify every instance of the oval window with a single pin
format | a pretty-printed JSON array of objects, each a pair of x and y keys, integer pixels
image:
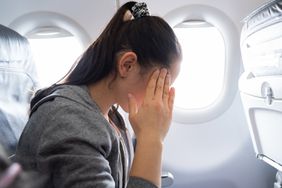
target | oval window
[
  {"x": 55, "y": 50},
  {"x": 201, "y": 77}
]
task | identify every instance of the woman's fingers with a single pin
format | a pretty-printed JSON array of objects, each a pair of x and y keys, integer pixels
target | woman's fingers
[
  {"x": 171, "y": 98},
  {"x": 160, "y": 84},
  {"x": 150, "y": 90},
  {"x": 166, "y": 88},
  {"x": 158, "y": 87}
]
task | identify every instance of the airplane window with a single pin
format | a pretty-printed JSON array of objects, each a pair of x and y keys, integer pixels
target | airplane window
[
  {"x": 201, "y": 77},
  {"x": 207, "y": 83},
  {"x": 55, "y": 50}
]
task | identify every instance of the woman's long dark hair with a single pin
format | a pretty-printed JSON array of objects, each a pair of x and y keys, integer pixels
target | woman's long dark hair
[{"x": 150, "y": 37}]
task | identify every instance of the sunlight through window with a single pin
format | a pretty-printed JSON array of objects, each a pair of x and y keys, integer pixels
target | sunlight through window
[
  {"x": 55, "y": 51},
  {"x": 202, "y": 70}
]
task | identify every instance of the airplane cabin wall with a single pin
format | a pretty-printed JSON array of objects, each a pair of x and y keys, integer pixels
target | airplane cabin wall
[
  {"x": 92, "y": 15},
  {"x": 214, "y": 154}
]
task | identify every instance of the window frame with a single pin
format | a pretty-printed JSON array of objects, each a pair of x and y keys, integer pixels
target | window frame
[
  {"x": 27, "y": 23},
  {"x": 231, "y": 39},
  {"x": 30, "y": 21}
]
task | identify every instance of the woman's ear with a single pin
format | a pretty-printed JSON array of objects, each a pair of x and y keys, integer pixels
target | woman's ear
[{"x": 126, "y": 63}]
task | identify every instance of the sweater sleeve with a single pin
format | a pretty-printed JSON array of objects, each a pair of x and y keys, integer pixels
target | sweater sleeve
[
  {"x": 136, "y": 182},
  {"x": 74, "y": 150}
]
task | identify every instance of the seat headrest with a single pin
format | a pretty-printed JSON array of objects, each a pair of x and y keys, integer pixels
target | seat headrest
[
  {"x": 14, "y": 47},
  {"x": 262, "y": 14},
  {"x": 261, "y": 40}
]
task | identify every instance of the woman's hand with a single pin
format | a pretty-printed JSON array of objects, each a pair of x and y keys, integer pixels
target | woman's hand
[
  {"x": 150, "y": 123},
  {"x": 152, "y": 119}
]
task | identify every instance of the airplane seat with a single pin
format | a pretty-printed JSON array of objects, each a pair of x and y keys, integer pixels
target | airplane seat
[
  {"x": 261, "y": 83},
  {"x": 17, "y": 81}
]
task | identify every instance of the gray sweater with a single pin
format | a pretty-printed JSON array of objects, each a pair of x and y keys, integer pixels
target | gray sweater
[{"x": 68, "y": 140}]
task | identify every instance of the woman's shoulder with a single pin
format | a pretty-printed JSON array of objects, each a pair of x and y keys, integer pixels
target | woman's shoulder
[
  {"x": 67, "y": 95},
  {"x": 70, "y": 113}
]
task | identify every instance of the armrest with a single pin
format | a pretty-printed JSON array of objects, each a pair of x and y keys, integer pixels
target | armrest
[{"x": 167, "y": 179}]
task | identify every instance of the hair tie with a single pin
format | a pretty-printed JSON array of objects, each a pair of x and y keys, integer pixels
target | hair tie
[
  {"x": 139, "y": 10},
  {"x": 10, "y": 175}
]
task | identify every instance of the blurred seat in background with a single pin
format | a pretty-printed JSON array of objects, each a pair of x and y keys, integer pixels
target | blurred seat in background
[{"x": 18, "y": 80}]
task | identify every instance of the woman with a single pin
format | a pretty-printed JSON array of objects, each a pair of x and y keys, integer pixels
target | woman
[{"x": 77, "y": 138}]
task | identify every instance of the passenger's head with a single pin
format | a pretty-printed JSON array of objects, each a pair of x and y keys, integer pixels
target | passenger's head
[{"x": 133, "y": 41}]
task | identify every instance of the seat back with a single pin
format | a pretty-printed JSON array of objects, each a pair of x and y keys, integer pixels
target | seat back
[
  {"x": 18, "y": 80},
  {"x": 261, "y": 83}
]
